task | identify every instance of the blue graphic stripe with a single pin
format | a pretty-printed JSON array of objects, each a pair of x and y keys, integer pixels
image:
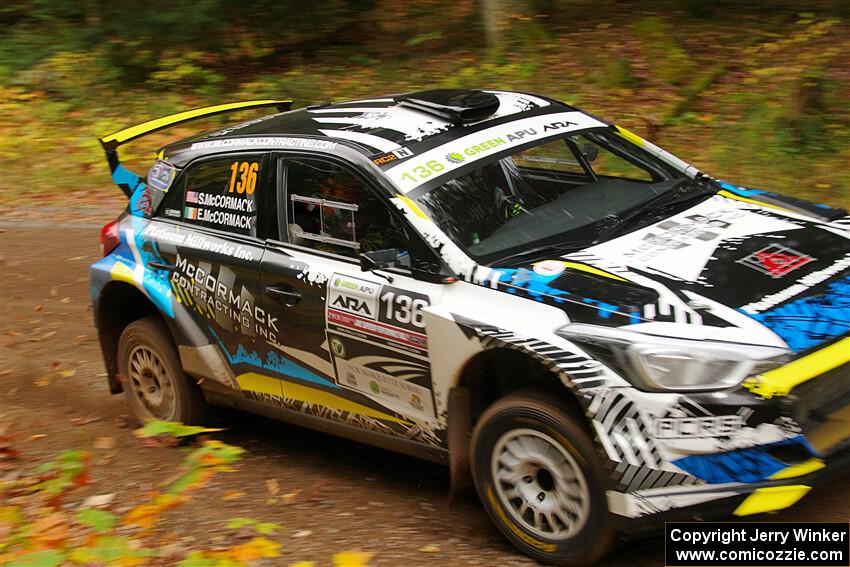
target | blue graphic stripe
[
  {"x": 274, "y": 362},
  {"x": 810, "y": 321},
  {"x": 743, "y": 465}
]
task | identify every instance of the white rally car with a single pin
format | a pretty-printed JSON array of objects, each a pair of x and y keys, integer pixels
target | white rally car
[{"x": 592, "y": 332}]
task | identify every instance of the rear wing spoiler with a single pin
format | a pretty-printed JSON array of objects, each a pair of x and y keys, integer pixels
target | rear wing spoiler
[{"x": 127, "y": 180}]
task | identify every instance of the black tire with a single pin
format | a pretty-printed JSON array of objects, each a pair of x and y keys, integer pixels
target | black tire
[
  {"x": 155, "y": 367},
  {"x": 516, "y": 438}
]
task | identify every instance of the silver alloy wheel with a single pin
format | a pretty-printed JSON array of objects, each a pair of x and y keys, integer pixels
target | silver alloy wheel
[
  {"x": 150, "y": 382},
  {"x": 540, "y": 484}
]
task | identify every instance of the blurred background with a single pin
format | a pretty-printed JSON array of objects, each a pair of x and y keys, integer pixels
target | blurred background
[{"x": 753, "y": 92}]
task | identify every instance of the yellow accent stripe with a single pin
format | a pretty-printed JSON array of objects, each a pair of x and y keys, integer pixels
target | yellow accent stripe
[
  {"x": 259, "y": 383},
  {"x": 630, "y": 136},
  {"x": 128, "y": 134},
  {"x": 588, "y": 269},
  {"x": 730, "y": 195},
  {"x": 770, "y": 499},
  {"x": 800, "y": 469},
  {"x": 254, "y": 382},
  {"x": 413, "y": 207},
  {"x": 779, "y": 382},
  {"x": 122, "y": 273}
]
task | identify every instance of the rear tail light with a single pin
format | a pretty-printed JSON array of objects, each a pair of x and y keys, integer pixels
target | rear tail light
[{"x": 109, "y": 238}]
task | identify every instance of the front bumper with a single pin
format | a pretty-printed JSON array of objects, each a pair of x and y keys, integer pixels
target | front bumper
[
  {"x": 739, "y": 499},
  {"x": 807, "y": 402}
]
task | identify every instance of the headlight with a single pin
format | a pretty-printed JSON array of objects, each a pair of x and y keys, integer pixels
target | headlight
[{"x": 660, "y": 363}]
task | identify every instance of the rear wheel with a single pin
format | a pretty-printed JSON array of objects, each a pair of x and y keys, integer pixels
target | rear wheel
[
  {"x": 154, "y": 382},
  {"x": 538, "y": 476}
]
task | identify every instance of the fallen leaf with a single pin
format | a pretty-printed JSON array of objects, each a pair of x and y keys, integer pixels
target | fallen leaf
[
  {"x": 302, "y": 533},
  {"x": 98, "y": 500},
  {"x": 85, "y": 420},
  {"x": 54, "y": 292},
  {"x": 351, "y": 559},
  {"x": 67, "y": 373},
  {"x": 5, "y": 372},
  {"x": 233, "y": 495},
  {"x": 43, "y": 381},
  {"x": 38, "y": 308},
  {"x": 290, "y": 497},
  {"x": 50, "y": 530},
  {"x": 104, "y": 443},
  {"x": 65, "y": 300},
  {"x": 37, "y": 436},
  {"x": 272, "y": 486},
  {"x": 429, "y": 549}
]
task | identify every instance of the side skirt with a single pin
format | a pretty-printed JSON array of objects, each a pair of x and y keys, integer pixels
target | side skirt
[{"x": 216, "y": 395}]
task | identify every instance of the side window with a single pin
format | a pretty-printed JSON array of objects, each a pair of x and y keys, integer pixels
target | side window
[
  {"x": 329, "y": 208},
  {"x": 222, "y": 193}
]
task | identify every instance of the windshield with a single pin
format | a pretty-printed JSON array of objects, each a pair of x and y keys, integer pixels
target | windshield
[{"x": 560, "y": 194}]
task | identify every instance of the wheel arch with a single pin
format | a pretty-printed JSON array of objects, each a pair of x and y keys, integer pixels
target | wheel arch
[
  {"x": 489, "y": 376},
  {"x": 118, "y": 305}
]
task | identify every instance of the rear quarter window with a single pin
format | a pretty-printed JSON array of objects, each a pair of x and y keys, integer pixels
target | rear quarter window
[{"x": 223, "y": 193}]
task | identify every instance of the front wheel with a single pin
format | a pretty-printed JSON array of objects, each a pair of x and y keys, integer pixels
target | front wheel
[
  {"x": 538, "y": 476},
  {"x": 154, "y": 382}
]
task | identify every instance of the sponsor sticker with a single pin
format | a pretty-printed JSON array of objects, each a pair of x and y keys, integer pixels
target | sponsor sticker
[
  {"x": 443, "y": 159},
  {"x": 353, "y": 295},
  {"x": 697, "y": 427},
  {"x": 392, "y": 156},
  {"x": 398, "y": 394},
  {"x": 776, "y": 260},
  {"x": 549, "y": 268},
  {"x": 267, "y": 141},
  {"x": 160, "y": 175}
]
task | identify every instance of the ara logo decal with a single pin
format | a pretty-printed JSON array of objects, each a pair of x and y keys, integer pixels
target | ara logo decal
[
  {"x": 776, "y": 260},
  {"x": 352, "y": 305},
  {"x": 455, "y": 157}
]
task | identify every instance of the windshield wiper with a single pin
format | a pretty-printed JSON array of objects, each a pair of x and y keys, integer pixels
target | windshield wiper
[
  {"x": 541, "y": 251},
  {"x": 662, "y": 201}
]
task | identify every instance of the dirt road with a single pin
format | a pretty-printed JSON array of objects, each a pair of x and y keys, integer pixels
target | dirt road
[{"x": 351, "y": 496}]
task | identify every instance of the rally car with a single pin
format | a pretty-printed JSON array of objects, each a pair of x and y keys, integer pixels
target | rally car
[{"x": 589, "y": 330}]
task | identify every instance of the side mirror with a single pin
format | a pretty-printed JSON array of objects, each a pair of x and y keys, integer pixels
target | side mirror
[
  {"x": 381, "y": 259},
  {"x": 590, "y": 152}
]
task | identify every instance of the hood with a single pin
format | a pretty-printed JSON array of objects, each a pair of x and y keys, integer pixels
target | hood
[{"x": 725, "y": 269}]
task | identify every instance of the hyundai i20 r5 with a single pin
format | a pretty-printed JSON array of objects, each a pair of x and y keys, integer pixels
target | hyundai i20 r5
[{"x": 592, "y": 332}]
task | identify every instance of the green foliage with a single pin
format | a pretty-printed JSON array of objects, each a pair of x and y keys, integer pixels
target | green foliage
[
  {"x": 47, "y": 558},
  {"x": 37, "y": 536},
  {"x": 68, "y": 469},
  {"x": 739, "y": 104},
  {"x": 264, "y": 528},
  {"x": 98, "y": 520},
  {"x": 155, "y": 428},
  {"x": 186, "y": 70},
  {"x": 669, "y": 60}
]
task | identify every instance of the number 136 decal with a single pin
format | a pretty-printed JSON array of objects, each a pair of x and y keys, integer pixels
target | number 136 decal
[{"x": 403, "y": 308}]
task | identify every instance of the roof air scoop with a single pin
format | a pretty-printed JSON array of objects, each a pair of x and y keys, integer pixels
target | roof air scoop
[{"x": 456, "y": 105}]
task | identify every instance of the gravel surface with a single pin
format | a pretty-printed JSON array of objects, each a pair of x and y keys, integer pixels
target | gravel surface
[{"x": 330, "y": 494}]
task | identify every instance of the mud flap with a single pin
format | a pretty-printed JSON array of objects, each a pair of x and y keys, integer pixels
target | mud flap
[{"x": 459, "y": 435}]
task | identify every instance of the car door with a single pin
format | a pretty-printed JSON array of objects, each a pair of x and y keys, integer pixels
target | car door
[
  {"x": 354, "y": 343},
  {"x": 205, "y": 237}
]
